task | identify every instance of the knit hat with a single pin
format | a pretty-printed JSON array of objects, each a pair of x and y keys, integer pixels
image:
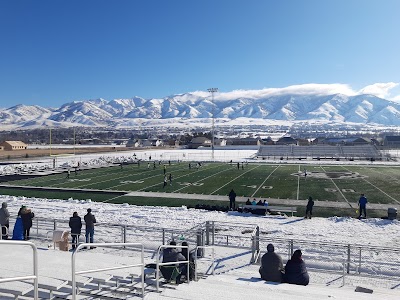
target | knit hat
[
  {"x": 4, "y": 205},
  {"x": 270, "y": 248}
]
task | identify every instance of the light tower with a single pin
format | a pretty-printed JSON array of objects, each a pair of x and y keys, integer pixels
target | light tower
[{"x": 212, "y": 91}]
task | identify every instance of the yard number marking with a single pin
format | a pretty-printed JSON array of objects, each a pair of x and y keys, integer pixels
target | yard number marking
[
  {"x": 131, "y": 181},
  {"x": 191, "y": 183}
]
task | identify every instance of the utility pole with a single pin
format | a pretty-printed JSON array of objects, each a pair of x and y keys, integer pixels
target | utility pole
[{"x": 212, "y": 91}]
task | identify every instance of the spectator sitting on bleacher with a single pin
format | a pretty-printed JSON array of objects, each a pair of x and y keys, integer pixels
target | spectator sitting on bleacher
[
  {"x": 296, "y": 271},
  {"x": 254, "y": 202},
  {"x": 174, "y": 255},
  {"x": 260, "y": 203},
  {"x": 190, "y": 257},
  {"x": 248, "y": 202},
  {"x": 271, "y": 265}
]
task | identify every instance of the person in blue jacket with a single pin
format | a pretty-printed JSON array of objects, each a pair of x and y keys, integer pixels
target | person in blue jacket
[
  {"x": 296, "y": 271},
  {"x": 362, "y": 203}
]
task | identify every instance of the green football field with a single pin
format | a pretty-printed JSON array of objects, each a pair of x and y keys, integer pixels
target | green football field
[{"x": 325, "y": 183}]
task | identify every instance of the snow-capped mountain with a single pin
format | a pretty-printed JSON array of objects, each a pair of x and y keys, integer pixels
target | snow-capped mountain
[{"x": 365, "y": 109}]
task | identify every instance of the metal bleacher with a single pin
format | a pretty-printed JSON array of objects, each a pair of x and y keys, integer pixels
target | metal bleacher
[{"x": 318, "y": 152}]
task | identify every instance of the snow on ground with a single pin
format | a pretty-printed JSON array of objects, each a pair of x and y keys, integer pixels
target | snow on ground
[
  {"x": 376, "y": 232},
  {"x": 334, "y": 229}
]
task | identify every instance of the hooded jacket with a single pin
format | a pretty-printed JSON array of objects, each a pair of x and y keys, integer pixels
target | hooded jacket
[
  {"x": 75, "y": 223},
  {"x": 4, "y": 214},
  {"x": 271, "y": 267},
  {"x": 89, "y": 220},
  {"x": 172, "y": 255},
  {"x": 296, "y": 272},
  {"x": 27, "y": 215}
]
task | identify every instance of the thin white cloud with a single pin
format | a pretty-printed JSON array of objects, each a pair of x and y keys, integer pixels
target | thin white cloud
[
  {"x": 302, "y": 89},
  {"x": 380, "y": 89},
  {"x": 396, "y": 98}
]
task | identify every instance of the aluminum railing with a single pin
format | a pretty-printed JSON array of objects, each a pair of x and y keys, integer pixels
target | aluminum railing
[
  {"x": 118, "y": 232},
  {"x": 106, "y": 245},
  {"x": 6, "y": 231},
  {"x": 196, "y": 258},
  {"x": 35, "y": 267},
  {"x": 158, "y": 263}
]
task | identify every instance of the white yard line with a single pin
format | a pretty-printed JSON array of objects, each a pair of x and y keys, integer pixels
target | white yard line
[
  {"x": 175, "y": 178},
  {"x": 338, "y": 189},
  {"x": 122, "y": 177},
  {"x": 234, "y": 179},
  {"x": 203, "y": 179},
  {"x": 383, "y": 192},
  {"x": 262, "y": 184},
  {"x": 298, "y": 184},
  {"x": 100, "y": 174},
  {"x": 141, "y": 179}
]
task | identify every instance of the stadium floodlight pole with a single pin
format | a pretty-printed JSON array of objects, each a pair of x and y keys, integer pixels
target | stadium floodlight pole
[
  {"x": 212, "y": 91},
  {"x": 50, "y": 141},
  {"x": 74, "y": 140}
]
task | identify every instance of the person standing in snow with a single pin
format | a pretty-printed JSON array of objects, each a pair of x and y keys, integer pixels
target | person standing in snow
[
  {"x": 75, "y": 223},
  {"x": 232, "y": 199},
  {"x": 309, "y": 208},
  {"x": 4, "y": 220},
  {"x": 26, "y": 215},
  {"x": 362, "y": 203},
  {"x": 271, "y": 265},
  {"x": 90, "y": 220}
]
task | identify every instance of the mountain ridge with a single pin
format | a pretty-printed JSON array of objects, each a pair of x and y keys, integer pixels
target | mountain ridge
[{"x": 364, "y": 109}]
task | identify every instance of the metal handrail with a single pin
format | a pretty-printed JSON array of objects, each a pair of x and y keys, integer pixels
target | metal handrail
[
  {"x": 7, "y": 231},
  {"x": 158, "y": 263},
  {"x": 35, "y": 275},
  {"x": 80, "y": 246},
  {"x": 195, "y": 259}
]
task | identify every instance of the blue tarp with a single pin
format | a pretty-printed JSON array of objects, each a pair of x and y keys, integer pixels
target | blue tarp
[{"x": 18, "y": 232}]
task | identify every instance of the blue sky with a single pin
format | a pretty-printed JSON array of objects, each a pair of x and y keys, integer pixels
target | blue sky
[{"x": 53, "y": 52}]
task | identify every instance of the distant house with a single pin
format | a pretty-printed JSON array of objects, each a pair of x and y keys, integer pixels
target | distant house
[
  {"x": 13, "y": 145},
  {"x": 286, "y": 140},
  {"x": 244, "y": 141},
  {"x": 392, "y": 141},
  {"x": 199, "y": 141},
  {"x": 267, "y": 141},
  {"x": 348, "y": 141},
  {"x": 145, "y": 143}
]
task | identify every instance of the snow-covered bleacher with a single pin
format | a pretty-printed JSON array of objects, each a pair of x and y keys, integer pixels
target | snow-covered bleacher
[{"x": 318, "y": 152}]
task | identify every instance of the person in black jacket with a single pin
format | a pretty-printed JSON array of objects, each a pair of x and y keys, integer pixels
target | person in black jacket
[
  {"x": 26, "y": 215},
  {"x": 232, "y": 199},
  {"x": 271, "y": 265},
  {"x": 296, "y": 271},
  {"x": 309, "y": 207},
  {"x": 75, "y": 223},
  {"x": 172, "y": 255},
  {"x": 90, "y": 220}
]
